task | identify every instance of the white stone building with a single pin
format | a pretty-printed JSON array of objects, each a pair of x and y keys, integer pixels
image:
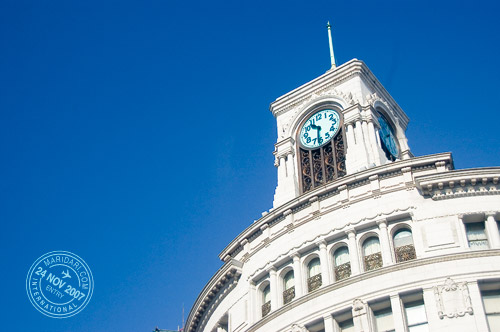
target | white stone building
[{"x": 362, "y": 236}]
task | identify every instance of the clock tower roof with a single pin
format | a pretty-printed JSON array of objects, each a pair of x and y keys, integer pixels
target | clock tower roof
[{"x": 352, "y": 81}]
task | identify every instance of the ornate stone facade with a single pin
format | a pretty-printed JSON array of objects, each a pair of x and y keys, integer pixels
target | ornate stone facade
[{"x": 435, "y": 278}]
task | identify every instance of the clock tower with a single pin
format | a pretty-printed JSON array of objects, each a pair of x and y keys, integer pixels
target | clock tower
[{"x": 334, "y": 126}]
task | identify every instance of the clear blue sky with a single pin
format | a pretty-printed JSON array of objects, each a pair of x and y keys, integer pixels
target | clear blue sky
[{"x": 137, "y": 134}]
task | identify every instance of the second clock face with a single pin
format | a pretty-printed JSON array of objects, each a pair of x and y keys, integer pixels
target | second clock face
[{"x": 319, "y": 128}]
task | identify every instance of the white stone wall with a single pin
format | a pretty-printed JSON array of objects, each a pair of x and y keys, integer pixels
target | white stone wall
[
  {"x": 348, "y": 218},
  {"x": 375, "y": 198}
]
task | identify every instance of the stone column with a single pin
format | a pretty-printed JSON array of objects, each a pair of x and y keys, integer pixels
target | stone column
[
  {"x": 397, "y": 313},
  {"x": 290, "y": 168},
  {"x": 373, "y": 141},
  {"x": 368, "y": 142},
  {"x": 353, "y": 251},
  {"x": 323, "y": 258},
  {"x": 328, "y": 322},
  {"x": 350, "y": 135},
  {"x": 492, "y": 230},
  {"x": 297, "y": 276},
  {"x": 385, "y": 242},
  {"x": 360, "y": 144},
  {"x": 274, "y": 288}
]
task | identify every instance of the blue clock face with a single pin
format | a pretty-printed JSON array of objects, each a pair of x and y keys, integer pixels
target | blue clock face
[
  {"x": 319, "y": 128},
  {"x": 388, "y": 138}
]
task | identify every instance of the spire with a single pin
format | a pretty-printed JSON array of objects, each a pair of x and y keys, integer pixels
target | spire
[{"x": 332, "y": 57}]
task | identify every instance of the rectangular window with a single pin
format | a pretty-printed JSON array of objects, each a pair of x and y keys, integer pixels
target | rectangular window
[
  {"x": 382, "y": 316},
  {"x": 491, "y": 302},
  {"x": 347, "y": 326},
  {"x": 383, "y": 320},
  {"x": 416, "y": 319},
  {"x": 476, "y": 235},
  {"x": 344, "y": 320}
]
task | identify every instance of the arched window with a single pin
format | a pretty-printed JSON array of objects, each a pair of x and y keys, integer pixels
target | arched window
[
  {"x": 403, "y": 245},
  {"x": 371, "y": 254},
  {"x": 289, "y": 287},
  {"x": 266, "y": 300},
  {"x": 321, "y": 149},
  {"x": 342, "y": 263},
  {"x": 314, "y": 274}
]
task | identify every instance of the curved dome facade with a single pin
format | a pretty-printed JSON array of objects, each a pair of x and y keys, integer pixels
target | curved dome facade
[{"x": 362, "y": 236}]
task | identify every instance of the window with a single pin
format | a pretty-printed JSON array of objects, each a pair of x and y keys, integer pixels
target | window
[
  {"x": 382, "y": 316},
  {"x": 266, "y": 300},
  {"x": 371, "y": 254},
  {"x": 416, "y": 319},
  {"x": 476, "y": 235},
  {"x": 403, "y": 245},
  {"x": 491, "y": 302},
  {"x": 344, "y": 320},
  {"x": 342, "y": 263},
  {"x": 289, "y": 285},
  {"x": 347, "y": 326},
  {"x": 314, "y": 274}
]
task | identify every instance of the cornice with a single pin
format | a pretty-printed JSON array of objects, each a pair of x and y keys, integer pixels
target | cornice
[
  {"x": 325, "y": 191},
  {"x": 227, "y": 275},
  {"x": 369, "y": 275},
  {"x": 398, "y": 213},
  {"x": 460, "y": 183}
]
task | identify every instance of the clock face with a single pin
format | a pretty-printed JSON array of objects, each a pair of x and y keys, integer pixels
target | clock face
[
  {"x": 319, "y": 128},
  {"x": 388, "y": 138}
]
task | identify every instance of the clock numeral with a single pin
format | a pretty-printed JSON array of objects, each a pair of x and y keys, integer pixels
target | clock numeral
[
  {"x": 306, "y": 135},
  {"x": 308, "y": 140},
  {"x": 308, "y": 128},
  {"x": 318, "y": 116},
  {"x": 320, "y": 140},
  {"x": 332, "y": 128},
  {"x": 332, "y": 119},
  {"x": 312, "y": 122},
  {"x": 327, "y": 135}
]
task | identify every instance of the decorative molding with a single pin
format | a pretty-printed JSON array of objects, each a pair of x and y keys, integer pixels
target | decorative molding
[
  {"x": 214, "y": 292},
  {"x": 373, "y": 99},
  {"x": 453, "y": 299},
  {"x": 460, "y": 183},
  {"x": 386, "y": 270},
  {"x": 319, "y": 95},
  {"x": 348, "y": 227},
  {"x": 332, "y": 189}
]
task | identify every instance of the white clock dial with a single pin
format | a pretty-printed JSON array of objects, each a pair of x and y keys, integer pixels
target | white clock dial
[{"x": 319, "y": 128}]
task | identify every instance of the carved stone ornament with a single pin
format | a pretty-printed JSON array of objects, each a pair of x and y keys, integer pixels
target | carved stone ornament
[
  {"x": 358, "y": 307},
  {"x": 298, "y": 328},
  {"x": 371, "y": 99},
  {"x": 453, "y": 299},
  {"x": 348, "y": 99}
]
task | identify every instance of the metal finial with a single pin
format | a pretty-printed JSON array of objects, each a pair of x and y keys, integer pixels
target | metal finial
[{"x": 332, "y": 56}]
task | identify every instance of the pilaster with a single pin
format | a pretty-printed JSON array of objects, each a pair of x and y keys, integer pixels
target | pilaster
[
  {"x": 353, "y": 251},
  {"x": 384, "y": 242},
  {"x": 323, "y": 257},
  {"x": 297, "y": 274}
]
